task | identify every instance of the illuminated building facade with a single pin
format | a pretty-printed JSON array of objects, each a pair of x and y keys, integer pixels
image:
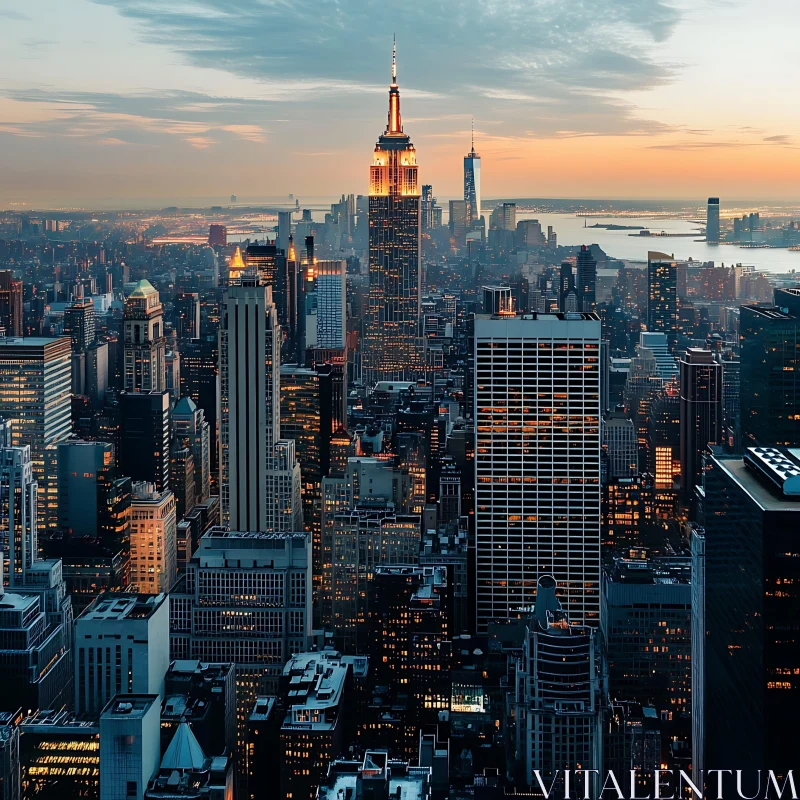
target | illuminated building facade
[
  {"x": 662, "y": 289},
  {"x": 10, "y": 303},
  {"x": 647, "y": 632},
  {"x": 145, "y": 344},
  {"x": 626, "y": 511},
  {"x": 60, "y": 755},
  {"x": 537, "y": 462},
  {"x": 392, "y": 347},
  {"x": 35, "y": 387},
  {"x": 410, "y": 627},
  {"x": 154, "y": 558},
  {"x": 316, "y": 728}
]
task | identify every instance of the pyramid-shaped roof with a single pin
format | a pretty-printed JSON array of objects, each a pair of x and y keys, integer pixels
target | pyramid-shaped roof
[
  {"x": 184, "y": 751},
  {"x": 184, "y": 407},
  {"x": 143, "y": 289}
]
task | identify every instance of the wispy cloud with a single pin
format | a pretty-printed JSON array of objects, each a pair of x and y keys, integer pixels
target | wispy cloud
[{"x": 104, "y": 116}]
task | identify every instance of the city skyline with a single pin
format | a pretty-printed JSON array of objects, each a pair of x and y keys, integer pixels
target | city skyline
[{"x": 177, "y": 103}]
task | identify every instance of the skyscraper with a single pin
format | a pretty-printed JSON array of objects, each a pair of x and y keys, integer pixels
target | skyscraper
[
  {"x": 560, "y": 693},
  {"x": 746, "y": 679},
  {"x": 662, "y": 290},
  {"x": 249, "y": 404},
  {"x": 145, "y": 345},
  {"x": 35, "y": 396},
  {"x": 472, "y": 184},
  {"x": 192, "y": 428},
  {"x": 10, "y": 303},
  {"x": 712, "y": 221},
  {"x": 330, "y": 277},
  {"x": 154, "y": 560},
  {"x": 701, "y": 413},
  {"x": 587, "y": 280},
  {"x": 770, "y": 376},
  {"x": 392, "y": 348},
  {"x": 537, "y": 462},
  {"x": 428, "y": 201},
  {"x": 145, "y": 434}
]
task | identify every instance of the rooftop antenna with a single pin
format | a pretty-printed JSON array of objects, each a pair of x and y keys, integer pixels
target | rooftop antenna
[{"x": 394, "y": 58}]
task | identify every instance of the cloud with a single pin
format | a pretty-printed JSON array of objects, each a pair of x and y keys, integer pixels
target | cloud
[
  {"x": 454, "y": 56},
  {"x": 103, "y": 115}
]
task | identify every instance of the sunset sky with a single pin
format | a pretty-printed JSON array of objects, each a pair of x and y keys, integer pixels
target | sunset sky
[{"x": 152, "y": 102}]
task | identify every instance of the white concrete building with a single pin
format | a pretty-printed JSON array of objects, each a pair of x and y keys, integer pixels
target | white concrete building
[
  {"x": 537, "y": 462},
  {"x": 130, "y": 746},
  {"x": 121, "y": 647}
]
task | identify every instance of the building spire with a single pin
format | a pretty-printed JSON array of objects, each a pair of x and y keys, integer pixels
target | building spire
[
  {"x": 473, "y": 136},
  {"x": 395, "y": 124}
]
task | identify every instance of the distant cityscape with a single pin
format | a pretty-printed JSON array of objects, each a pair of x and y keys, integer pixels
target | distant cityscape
[{"x": 398, "y": 498}]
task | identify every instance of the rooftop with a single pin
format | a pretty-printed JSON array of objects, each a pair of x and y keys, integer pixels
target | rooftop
[
  {"x": 129, "y": 706},
  {"x": 118, "y": 606},
  {"x": 762, "y": 490},
  {"x": 143, "y": 289},
  {"x": 316, "y": 684},
  {"x": 404, "y": 782}
]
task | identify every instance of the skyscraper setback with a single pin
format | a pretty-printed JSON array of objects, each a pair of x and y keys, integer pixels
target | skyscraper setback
[{"x": 392, "y": 348}]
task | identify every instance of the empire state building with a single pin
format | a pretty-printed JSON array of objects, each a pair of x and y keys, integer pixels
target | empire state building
[{"x": 393, "y": 349}]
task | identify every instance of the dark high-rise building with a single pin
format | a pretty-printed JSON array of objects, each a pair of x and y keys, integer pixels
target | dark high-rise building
[
  {"x": 770, "y": 376},
  {"x": 10, "y": 303},
  {"x": 662, "y": 292},
  {"x": 144, "y": 437},
  {"x": 269, "y": 262},
  {"x": 567, "y": 297},
  {"x": 712, "y": 221},
  {"x": 701, "y": 413},
  {"x": 587, "y": 280},
  {"x": 458, "y": 222},
  {"x": 410, "y": 628},
  {"x": 187, "y": 316},
  {"x": 746, "y": 659},
  {"x": 94, "y": 513},
  {"x": 426, "y": 208},
  {"x": 200, "y": 381},
  {"x": 217, "y": 235},
  {"x": 392, "y": 348},
  {"x": 647, "y": 632},
  {"x": 472, "y": 185}
]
